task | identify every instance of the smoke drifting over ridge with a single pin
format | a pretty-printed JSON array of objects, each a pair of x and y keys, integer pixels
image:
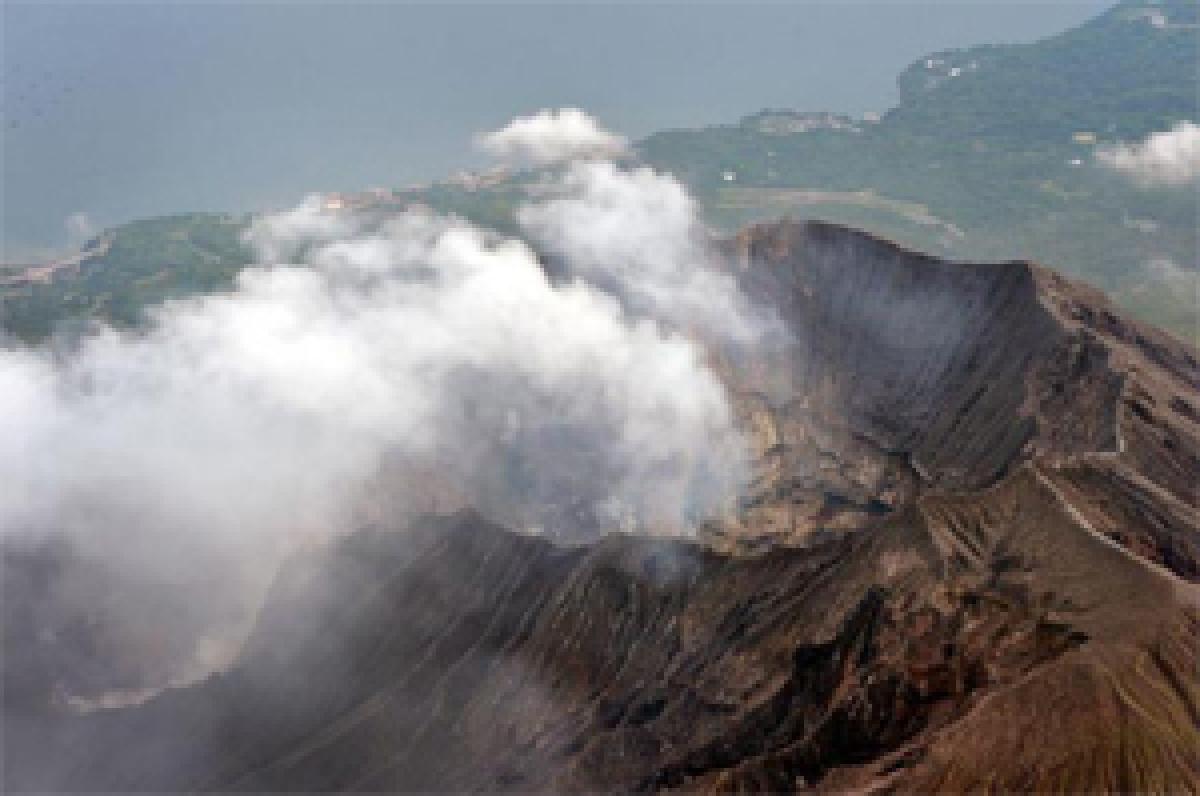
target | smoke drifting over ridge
[
  {"x": 1171, "y": 157},
  {"x": 553, "y": 136},
  {"x": 370, "y": 360},
  {"x": 636, "y": 234}
]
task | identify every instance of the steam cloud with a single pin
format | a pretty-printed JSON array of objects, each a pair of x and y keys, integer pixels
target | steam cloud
[
  {"x": 380, "y": 361},
  {"x": 553, "y": 136},
  {"x": 637, "y": 234},
  {"x": 1166, "y": 158},
  {"x": 80, "y": 229}
]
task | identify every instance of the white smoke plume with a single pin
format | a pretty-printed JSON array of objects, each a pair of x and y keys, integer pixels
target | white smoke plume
[
  {"x": 80, "y": 229},
  {"x": 375, "y": 362},
  {"x": 1165, "y": 158},
  {"x": 637, "y": 233},
  {"x": 1171, "y": 273},
  {"x": 553, "y": 136}
]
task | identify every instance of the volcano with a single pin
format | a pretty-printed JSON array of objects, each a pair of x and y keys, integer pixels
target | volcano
[{"x": 968, "y": 559}]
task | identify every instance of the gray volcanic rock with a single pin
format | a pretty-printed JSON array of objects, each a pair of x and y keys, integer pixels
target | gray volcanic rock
[
  {"x": 904, "y": 369},
  {"x": 968, "y": 560}
]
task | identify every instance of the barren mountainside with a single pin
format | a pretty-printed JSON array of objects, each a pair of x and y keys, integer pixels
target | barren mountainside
[{"x": 969, "y": 558}]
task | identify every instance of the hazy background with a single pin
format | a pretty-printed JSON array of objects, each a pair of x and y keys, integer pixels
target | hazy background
[{"x": 122, "y": 111}]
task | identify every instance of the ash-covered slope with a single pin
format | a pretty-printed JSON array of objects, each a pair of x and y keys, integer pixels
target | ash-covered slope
[
  {"x": 907, "y": 374},
  {"x": 975, "y": 502}
]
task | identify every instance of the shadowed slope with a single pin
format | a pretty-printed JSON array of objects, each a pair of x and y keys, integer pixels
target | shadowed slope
[{"x": 975, "y": 499}]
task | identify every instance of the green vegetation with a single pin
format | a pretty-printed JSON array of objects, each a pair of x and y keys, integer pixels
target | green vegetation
[
  {"x": 983, "y": 143},
  {"x": 493, "y": 208},
  {"x": 146, "y": 263},
  {"x": 1118, "y": 75},
  {"x": 980, "y": 160}
]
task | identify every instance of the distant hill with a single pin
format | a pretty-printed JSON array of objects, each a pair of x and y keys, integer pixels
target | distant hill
[
  {"x": 1124, "y": 74},
  {"x": 141, "y": 264},
  {"x": 989, "y": 155}
]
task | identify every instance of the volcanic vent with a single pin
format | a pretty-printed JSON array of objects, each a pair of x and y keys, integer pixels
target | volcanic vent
[{"x": 968, "y": 560}]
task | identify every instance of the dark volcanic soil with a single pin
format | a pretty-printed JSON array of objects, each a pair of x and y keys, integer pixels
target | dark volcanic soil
[{"x": 969, "y": 560}]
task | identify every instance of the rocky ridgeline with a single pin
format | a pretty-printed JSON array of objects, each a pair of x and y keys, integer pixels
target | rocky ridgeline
[{"x": 968, "y": 560}]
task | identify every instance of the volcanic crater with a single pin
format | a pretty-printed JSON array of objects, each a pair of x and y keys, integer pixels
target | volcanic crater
[{"x": 967, "y": 559}]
